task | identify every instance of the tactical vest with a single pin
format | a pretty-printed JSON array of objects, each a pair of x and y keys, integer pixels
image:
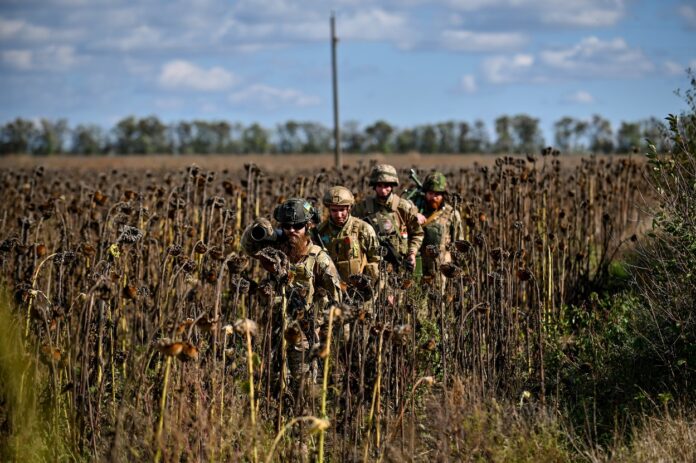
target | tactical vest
[
  {"x": 388, "y": 224},
  {"x": 434, "y": 227},
  {"x": 302, "y": 277},
  {"x": 344, "y": 249}
]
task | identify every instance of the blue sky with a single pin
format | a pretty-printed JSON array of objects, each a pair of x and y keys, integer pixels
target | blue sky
[{"x": 405, "y": 61}]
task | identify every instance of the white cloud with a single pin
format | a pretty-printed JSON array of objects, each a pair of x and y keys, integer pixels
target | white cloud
[
  {"x": 578, "y": 13},
  {"x": 468, "y": 83},
  {"x": 505, "y": 70},
  {"x": 688, "y": 13},
  {"x": 579, "y": 97},
  {"x": 673, "y": 68},
  {"x": 372, "y": 25},
  {"x": 53, "y": 57},
  {"x": 180, "y": 74},
  {"x": 20, "y": 29},
  {"x": 590, "y": 58},
  {"x": 142, "y": 37},
  {"x": 463, "y": 40},
  {"x": 567, "y": 14},
  {"x": 269, "y": 97},
  {"x": 597, "y": 58},
  {"x": 18, "y": 59}
]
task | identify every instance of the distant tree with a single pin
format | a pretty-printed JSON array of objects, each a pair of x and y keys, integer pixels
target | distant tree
[
  {"x": 563, "y": 132},
  {"x": 406, "y": 141},
  {"x": 317, "y": 137},
  {"x": 479, "y": 140},
  {"x": 236, "y": 144},
  {"x": 527, "y": 137},
  {"x": 447, "y": 137},
  {"x": 503, "y": 133},
  {"x": 427, "y": 139},
  {"x": 580, "y": 130},
  {"x": 88, "y": 139},
  {"x": 151, "y": 136},
  {"x": 184, "y": 137},
  {"x": 655, "y": 130},
  {"x": 288, "y": 137},
  {"x": 628, "y": 137},
  {"x": 222, "y": 136},
  {"x": 255, "y": 139},
  {"x": 379, "y": 137},
  {"x": 352, "y": 137},
  {"x": 463, "y": 141},
  {"x": 18, "y": 137},
  {"x": 51, "y": 137},
  {"x": 601, "y": 135},
  {"x": 126, "y": 136}
]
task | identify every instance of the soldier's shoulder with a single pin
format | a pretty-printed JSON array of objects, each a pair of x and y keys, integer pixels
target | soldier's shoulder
[
  {"x": 360, "y": 205},
  {"x": 322, "y": 257},
  {"x": 406, "y": 205},
  {"x": 323, "y": 226},
  {"x": 362, "y": 227}
]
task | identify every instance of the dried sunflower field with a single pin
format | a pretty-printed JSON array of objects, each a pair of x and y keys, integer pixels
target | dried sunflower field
[{"x": 145, "y": 333}]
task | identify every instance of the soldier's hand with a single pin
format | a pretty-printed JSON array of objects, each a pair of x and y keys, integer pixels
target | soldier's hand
[
  {"x": 411, "y": 261},
  {"x": 421, "y": 218}
]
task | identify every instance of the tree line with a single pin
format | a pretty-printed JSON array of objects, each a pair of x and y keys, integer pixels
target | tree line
[{"x": 148, "y": 135}]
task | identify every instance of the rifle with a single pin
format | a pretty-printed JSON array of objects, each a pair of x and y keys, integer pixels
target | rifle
[
  {"x": 414, "y": 194},
  {"x": 390, "y": 253}
]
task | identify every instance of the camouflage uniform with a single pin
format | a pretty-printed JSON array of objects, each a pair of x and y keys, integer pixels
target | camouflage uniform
[
  {"x": 313, "y": 270},
  {"x": 353, "y": 246},
  {"x": 441, "y": 227},
  {"x": 394, "y": 219}
]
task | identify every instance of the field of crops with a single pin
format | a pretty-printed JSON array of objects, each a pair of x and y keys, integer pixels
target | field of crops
[{"x": 148, "y": 335}]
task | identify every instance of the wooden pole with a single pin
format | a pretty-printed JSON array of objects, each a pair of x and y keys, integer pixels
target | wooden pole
[{"x": 337, "y": 130}]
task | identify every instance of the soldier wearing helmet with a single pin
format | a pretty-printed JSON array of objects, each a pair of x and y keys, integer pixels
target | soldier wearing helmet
[
  {"x": 303, "y": 268},
  {"x": 441, "y": 222},
  {"x": 351, "y": 242},
  {"x": 393, "y": 218}
]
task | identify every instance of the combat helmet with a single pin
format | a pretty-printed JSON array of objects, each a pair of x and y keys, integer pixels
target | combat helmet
[
  {"x": 435, "y": 182},
  {"x": 295, "y": 211},
  {"x": 384, "y": 173},
  {"x": 338, "y": 196}
]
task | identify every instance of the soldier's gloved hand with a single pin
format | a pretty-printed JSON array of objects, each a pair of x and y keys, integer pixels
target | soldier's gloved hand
[
  {"x": 421, "y": 218},
  {"x": 410, "y": 261}
]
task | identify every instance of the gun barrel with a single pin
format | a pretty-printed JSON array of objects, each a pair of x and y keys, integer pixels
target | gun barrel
[
  {"x": 413, "y": 176},
  {"x": 261, "y": 233}
]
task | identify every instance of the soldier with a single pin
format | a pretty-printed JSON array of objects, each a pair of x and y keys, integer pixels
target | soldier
[
  {"x": 393, "y": 218},
  {"x": 351, "y": 242},
  {"x": 311, "y": 279},
  {"x": 441, "y": 222}
]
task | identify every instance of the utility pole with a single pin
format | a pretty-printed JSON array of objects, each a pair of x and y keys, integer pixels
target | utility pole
[{"x": 337, "y": 130}]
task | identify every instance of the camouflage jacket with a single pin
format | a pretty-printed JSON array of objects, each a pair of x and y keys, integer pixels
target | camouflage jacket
[
  {"x": 314, "y": 270},
  {"x": 394, "y": 219},
  {"x": 353, "y": 247},
  {"x": 442, "y": 227}
]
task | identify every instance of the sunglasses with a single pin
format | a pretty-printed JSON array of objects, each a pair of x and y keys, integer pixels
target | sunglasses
[{"x": 293, "y": 226}]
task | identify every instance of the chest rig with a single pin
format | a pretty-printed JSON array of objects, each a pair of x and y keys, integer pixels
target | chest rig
[
  {"x": 302, "y": 281},
  {"x": 388, "y": 223},
  {"x": 435, "y": 227},
  {"x": 344, "y": 248}
]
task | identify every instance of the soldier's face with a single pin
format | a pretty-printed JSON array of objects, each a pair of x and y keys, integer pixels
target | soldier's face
[
  {"x": 339, "y": 214},
  {"x": 294, "y": 232},
  {"x": 383, "y": 190},
  {"x": 434, "y": 199}
]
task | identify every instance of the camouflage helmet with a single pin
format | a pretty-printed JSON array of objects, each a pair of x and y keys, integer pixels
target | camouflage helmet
[
  {"x": 295, "y": 211},
  {"x": 384, "y": 173},
  {"x": 338, "y": 196},
  {"x": 435, "y": 182}
]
